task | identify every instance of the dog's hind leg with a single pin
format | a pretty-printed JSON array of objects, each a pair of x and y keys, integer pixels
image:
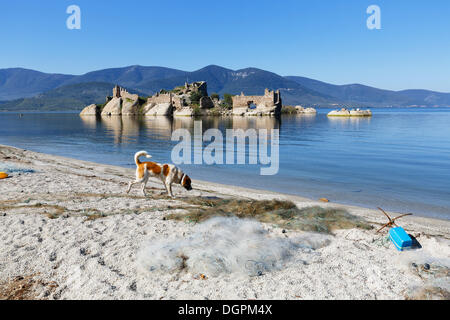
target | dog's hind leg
[
  {"x": 130, "y": 184},
  {"x": 143, "y": 188}
]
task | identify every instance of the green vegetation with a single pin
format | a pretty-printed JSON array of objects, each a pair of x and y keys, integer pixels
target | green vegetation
[
  {"x": 227, "y": 101},
  {"x": 196, "y": 111},
  {"x": 215, "y": 96},
  {"x": 142, "y": 100},
  {"x": 284, "y": 214},
  {"x": 195, "y": 98},
  {"x": 178, "y": 90},
  {"x": 215, "y": 112},
  {"x": 288, "y": 110},
  {"x": 101, "y": 106}
]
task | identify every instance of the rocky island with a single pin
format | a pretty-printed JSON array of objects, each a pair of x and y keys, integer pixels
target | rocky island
[
  {"x": 350, "y": 113},
  {"x": 192, "y": 99}
]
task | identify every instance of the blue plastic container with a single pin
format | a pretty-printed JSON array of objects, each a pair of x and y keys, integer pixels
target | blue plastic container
[{"x": 400, "y": 238}]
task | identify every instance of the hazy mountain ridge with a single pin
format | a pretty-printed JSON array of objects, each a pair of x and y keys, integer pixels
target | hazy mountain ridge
[
  {"x": 34, "y": 90},
  {"x": 21, "y": 83},
  {"x": 358, "y": 93},
  {"x": 73, "y": 97}
]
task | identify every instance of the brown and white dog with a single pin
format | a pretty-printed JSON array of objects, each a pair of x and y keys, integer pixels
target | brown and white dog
[{"x": 168, "y": 173}]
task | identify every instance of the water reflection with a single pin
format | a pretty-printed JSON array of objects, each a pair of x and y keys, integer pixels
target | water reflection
[
  {"x": 161, "y": 127},
  {"x": 256, "y": 123},
  {"x": 90, "y": 121},
  {"x": 128, "y": 128},
  {"x": 349, "y": 122},
  {"x": 122, "y": 129}
]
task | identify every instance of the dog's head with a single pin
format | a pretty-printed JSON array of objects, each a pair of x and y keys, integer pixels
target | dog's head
[{"x": 186, "y": 182}]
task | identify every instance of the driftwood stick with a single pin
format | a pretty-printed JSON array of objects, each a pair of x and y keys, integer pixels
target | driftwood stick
[
  {"x": 391, "y": 221},
  {"x": 387, "y": 224},
  {"x": 401, "y": 216}
]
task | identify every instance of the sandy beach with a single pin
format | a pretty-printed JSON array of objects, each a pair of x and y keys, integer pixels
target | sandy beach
[{"x": 68, "y": 230}]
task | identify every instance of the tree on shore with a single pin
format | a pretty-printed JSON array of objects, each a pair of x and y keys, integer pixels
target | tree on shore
[{"x": 228, "y": 100}]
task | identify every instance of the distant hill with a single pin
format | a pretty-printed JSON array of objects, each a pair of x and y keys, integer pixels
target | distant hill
[
  {"x": 21, "y": 83},
  {"x": 251, "y": 81},
  {"x": 132, "y": 76},
  {"x": 42, "y": 91},
  {"x": 357, "y": 93},
  {"x": 68, "y": 98}
]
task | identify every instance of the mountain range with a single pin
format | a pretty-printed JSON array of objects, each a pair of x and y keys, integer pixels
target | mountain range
[{"x": 23, "y": 89}]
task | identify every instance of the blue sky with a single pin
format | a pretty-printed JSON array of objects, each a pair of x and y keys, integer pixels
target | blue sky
[{"x": 320, "y": 39}]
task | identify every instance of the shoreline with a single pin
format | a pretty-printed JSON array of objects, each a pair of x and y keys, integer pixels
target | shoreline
[
  {"x": 234, "y": 190},
  {"x": 50, "y": 241}
]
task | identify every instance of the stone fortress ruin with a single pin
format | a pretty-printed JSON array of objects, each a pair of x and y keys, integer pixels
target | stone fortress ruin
[
  {"x": 187, "y": 100},
  {"x": 268, "y": 104},
  {"x": 178, "y": 101}
]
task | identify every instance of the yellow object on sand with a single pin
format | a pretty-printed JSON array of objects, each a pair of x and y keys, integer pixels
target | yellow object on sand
[{"x": 3, "y": 175}]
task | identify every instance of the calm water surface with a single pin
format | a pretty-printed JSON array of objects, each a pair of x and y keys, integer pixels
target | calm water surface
[{"x": 399, "y": 159}]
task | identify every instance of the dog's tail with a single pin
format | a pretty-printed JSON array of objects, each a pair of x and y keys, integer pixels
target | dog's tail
[{"x": 140, "y": 154}]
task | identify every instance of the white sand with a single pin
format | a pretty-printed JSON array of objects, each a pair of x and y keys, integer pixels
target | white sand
[{"x": 72, "y": 257}]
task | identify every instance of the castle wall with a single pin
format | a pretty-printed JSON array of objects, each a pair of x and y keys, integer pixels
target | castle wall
[
  {"x": 126, "y": 95},
  {"x": 160, "y": 98},
  {"x": 269, "y": 102},
  {"x": 119, "y": 92}
]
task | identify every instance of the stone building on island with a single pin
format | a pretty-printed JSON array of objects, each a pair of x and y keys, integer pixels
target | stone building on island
[{"x": 268, "y": 104}]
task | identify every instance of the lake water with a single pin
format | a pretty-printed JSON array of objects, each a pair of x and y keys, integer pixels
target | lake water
[{"x": 399, "y": 159}]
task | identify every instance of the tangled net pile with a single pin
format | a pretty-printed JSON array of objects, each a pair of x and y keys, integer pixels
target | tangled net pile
[
  {"x": 284, "y": 214},
  {"x": 226, "y": 245},
  {"x": 12, "y": 169}
]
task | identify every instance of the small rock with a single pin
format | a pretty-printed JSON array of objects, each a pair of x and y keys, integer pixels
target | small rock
[
  {"x": 414, "y": 265},
  {"x": 21, "y": 222},
  {"x": 133, "y": 286},
  {"x": 4, "y": 214},
  {"x": 52, "y": 256},
  {"x": 426, "y": 266},
  {"x": 283, "y": 231},
  {"x": 83, "y": 251},
  {"x": 164, "y": 218},
  {"x": 260, "y": 273}
]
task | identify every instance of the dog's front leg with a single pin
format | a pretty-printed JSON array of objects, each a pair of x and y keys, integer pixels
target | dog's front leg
[
  {"x": 170, "y": 190},
  {"x": 168, "y": 187}
]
